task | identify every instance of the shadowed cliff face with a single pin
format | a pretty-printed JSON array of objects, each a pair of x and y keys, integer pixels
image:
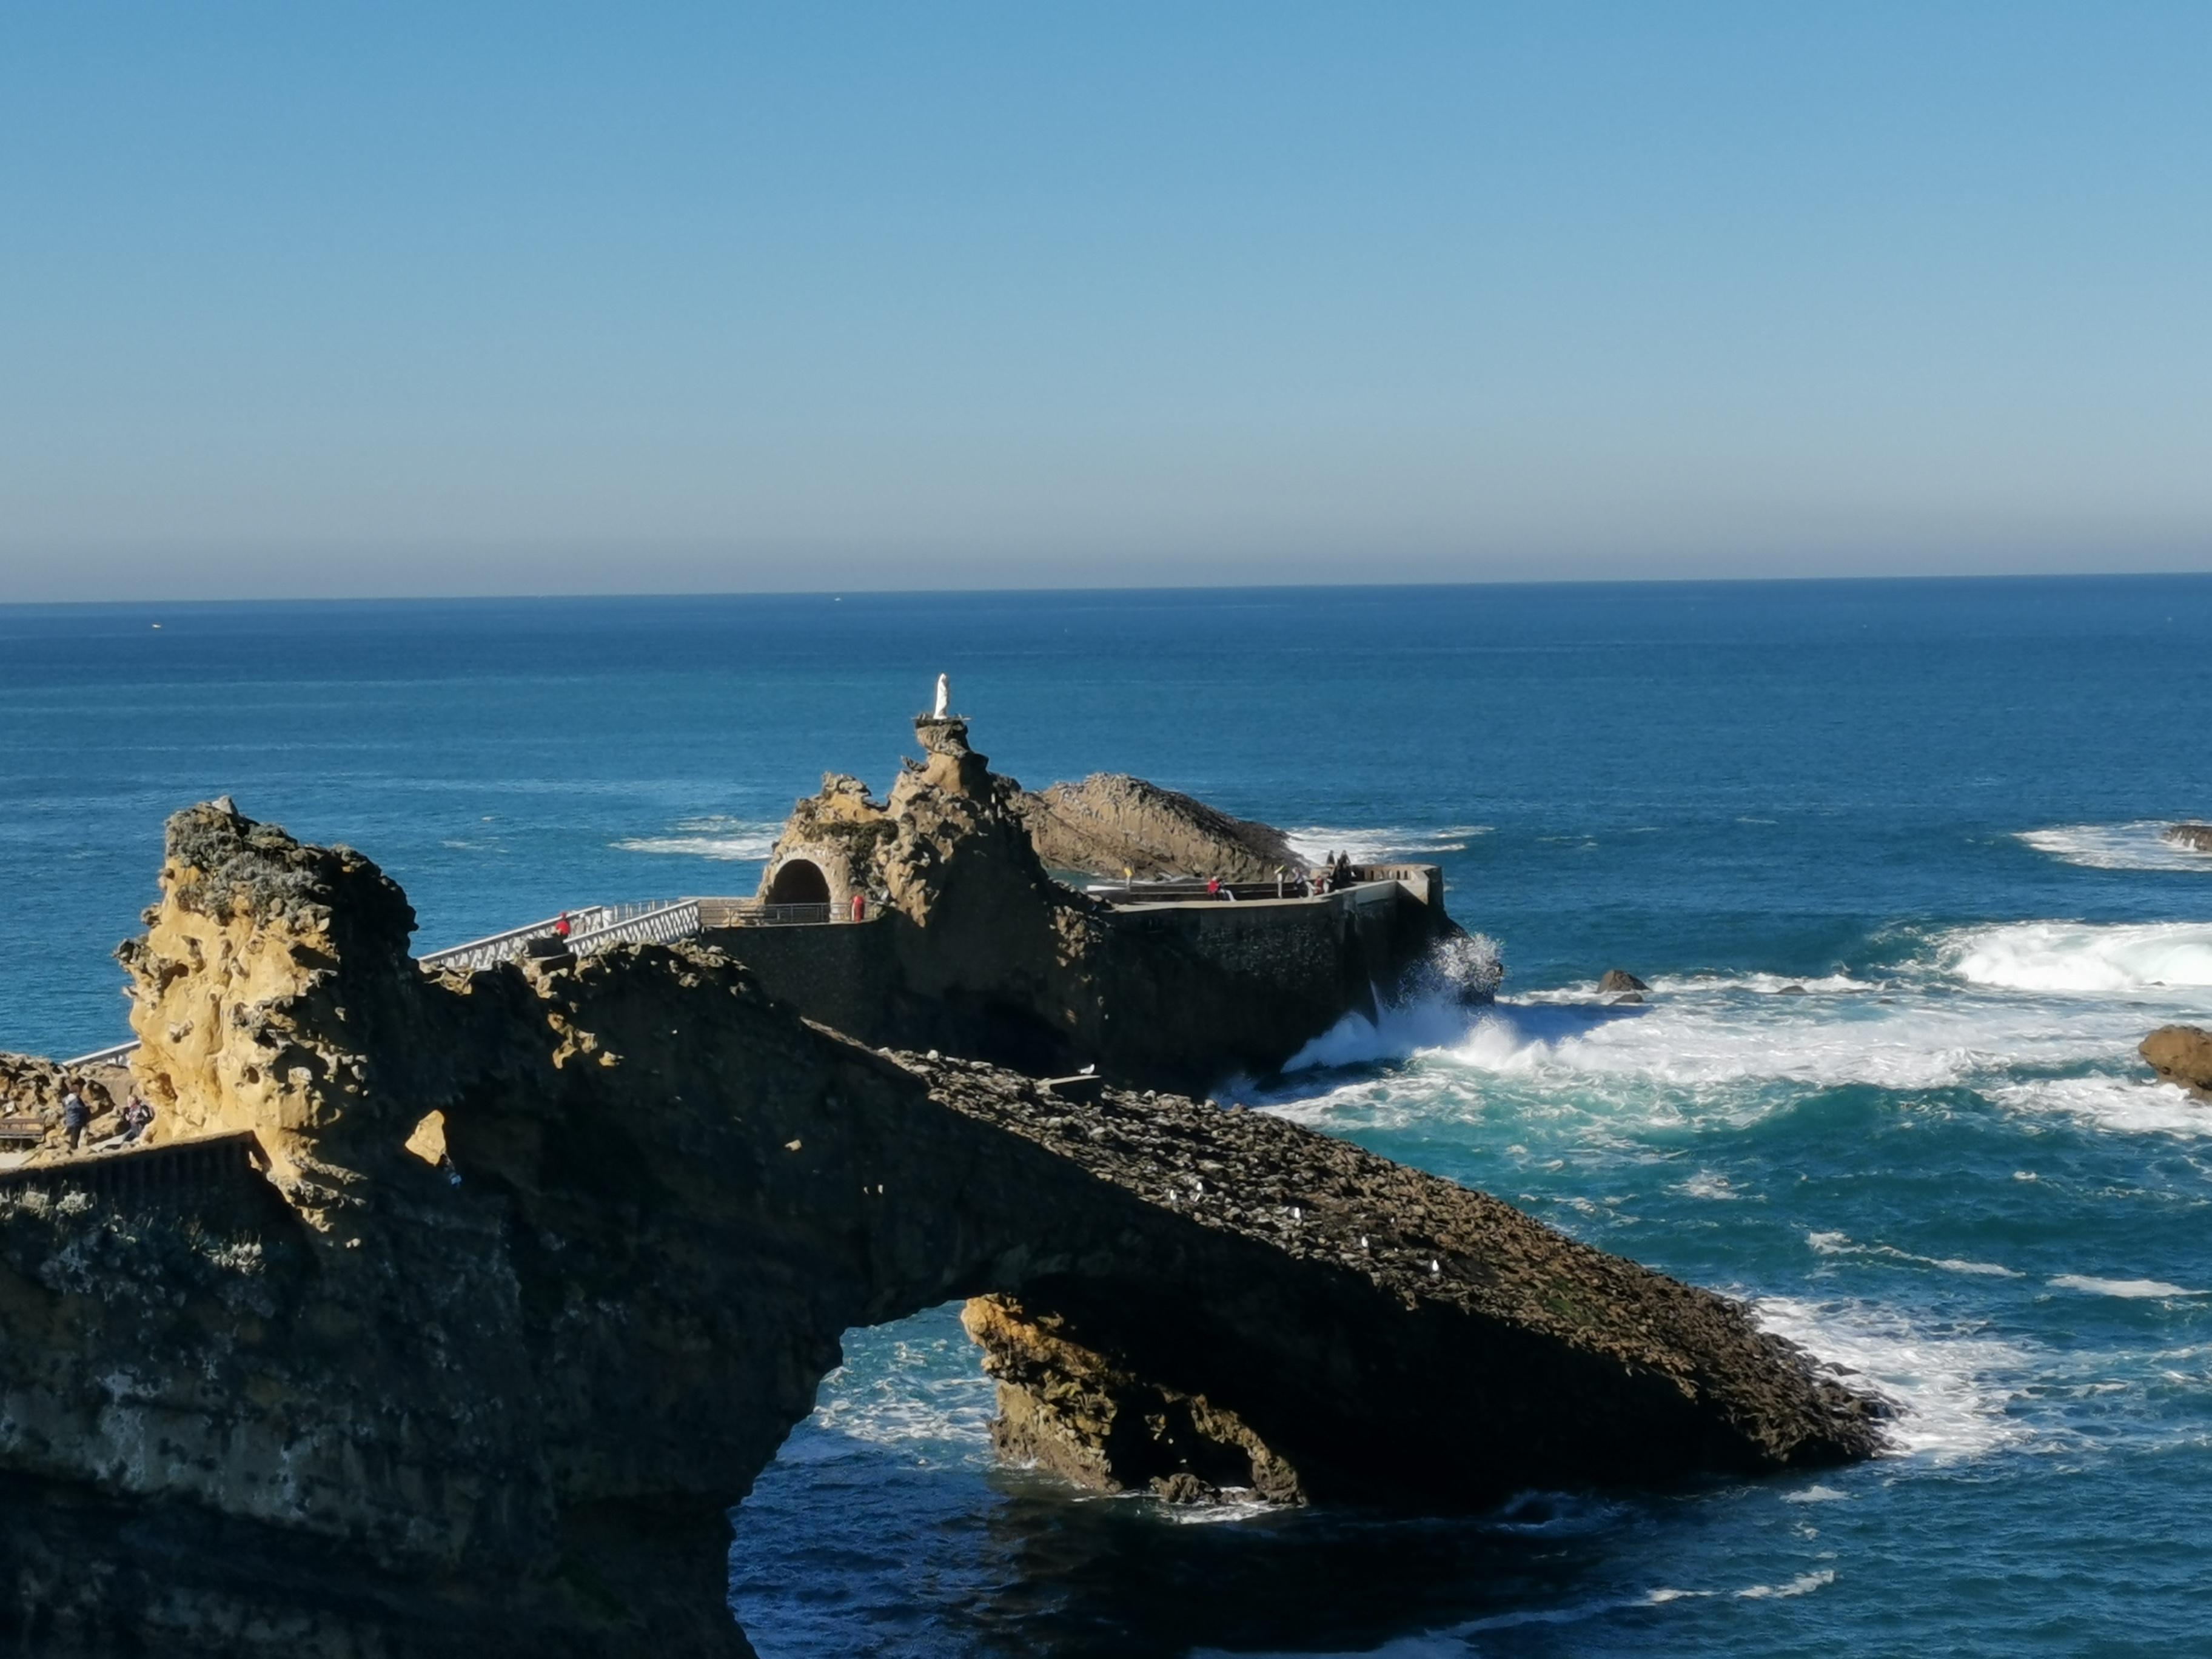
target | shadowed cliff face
[{"x": 500, "y": 1404}]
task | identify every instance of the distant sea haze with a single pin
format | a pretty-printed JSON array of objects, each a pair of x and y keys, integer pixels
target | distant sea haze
[{"x": 1887, "y": 855}]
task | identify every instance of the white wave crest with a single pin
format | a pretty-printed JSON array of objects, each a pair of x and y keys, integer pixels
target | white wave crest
[
  {"x": 2131, "y": 1290},
  {"x": 2098, "y": 958},
  {"x": 2129, "y": 1105},
  {"x": 1314, "y": 842},
  {"x": 1702, "y": 1042},
  {"x": 2139, "y": 845},
  {"x": 1951, "y": 1387},
  {"x": 734, "y": 841},
  {"x": 1838, "y": 1244}
]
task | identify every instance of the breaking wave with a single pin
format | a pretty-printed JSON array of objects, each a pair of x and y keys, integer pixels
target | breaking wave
[
  {"x": 2083, "y": 958},
  {"x": 1314, "y": 842},
  {"x": 1951, "y": 1388},
  {"x": 736, "y": 841},
  {"x": 2139, "y": 845},
  {"x": 1444, "y": 992}
]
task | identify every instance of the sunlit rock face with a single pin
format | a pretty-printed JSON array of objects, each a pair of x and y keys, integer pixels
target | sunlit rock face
[
  {"x": 979, "y": 951},
  {"x": 532, "y": 1270}
]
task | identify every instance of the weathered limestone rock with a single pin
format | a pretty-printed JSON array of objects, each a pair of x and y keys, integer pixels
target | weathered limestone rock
[
  {"x": 1065, "y": 1408},
  {"x": 498, "y": 1404},
  {"x": 979, "y": 951},
  {"x": 2182, "y": 1055},
  {"x": 32, "y": 1088},
  {"x": 2197, "y": 838},
  {"x": 1111, "y": 824}
]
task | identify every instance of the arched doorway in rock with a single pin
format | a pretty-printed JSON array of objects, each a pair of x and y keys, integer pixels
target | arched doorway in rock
[{"x": 799, "y": 881}]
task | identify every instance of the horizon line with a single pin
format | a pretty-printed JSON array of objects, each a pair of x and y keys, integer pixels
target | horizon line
[{"x": 1926, "y": 579}]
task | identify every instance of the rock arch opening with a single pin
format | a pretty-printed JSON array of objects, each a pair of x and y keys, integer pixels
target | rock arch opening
[{"x": 799, "y": 881}]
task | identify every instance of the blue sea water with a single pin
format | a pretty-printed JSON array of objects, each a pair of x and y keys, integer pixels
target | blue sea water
[{"x": 1931, "y": 804}]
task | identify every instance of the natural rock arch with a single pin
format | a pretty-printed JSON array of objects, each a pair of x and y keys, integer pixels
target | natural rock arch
[{"x": 501, "y": 1405}]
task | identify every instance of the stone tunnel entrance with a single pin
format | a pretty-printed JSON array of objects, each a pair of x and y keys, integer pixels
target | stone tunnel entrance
[{"x": 799, "y": 881}]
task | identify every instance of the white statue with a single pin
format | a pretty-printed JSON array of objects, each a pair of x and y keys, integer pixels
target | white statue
[{"x": 944, "y": 697}]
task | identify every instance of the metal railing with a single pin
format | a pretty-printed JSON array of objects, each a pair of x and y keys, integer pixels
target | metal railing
[
  {"x": 757, "y": 913},
  {"x": 591, "y": 927},
  {"x": 660, "y": 924},
  {"x": 120, "y": 1052},
  {"x": 495, "y": 948}
]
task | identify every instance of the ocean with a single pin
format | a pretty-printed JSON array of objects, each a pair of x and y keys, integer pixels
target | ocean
[{"x": 1929, "y": 806}]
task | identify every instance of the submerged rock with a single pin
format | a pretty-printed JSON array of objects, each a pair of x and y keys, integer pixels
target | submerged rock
[
  {"x": 2182, "y": 1055},
  {"x": 2197, "y": 838},
  {"x": 531, "y": 1269}
]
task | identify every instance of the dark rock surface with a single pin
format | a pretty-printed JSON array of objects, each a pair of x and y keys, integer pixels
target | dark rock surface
[
  {"x": 1620, "y": 979},
  {"x": 2197, "y": 838},
  {"x": 547, "y": 1259},
  {"x": 2182, "y": 1055},
  {"x": 1111, "y": 823}
]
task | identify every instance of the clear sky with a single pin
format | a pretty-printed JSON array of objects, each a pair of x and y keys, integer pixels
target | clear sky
[{"x": 334, "y": 298}]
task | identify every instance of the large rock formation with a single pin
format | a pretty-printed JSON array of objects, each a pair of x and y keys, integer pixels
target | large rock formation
[
  {"x": 1111, "y": 824},
  {"x": 2182, "y": 1055},
  {"x": 541, "y": 1264},
  {"x": 978, "y": 950}
]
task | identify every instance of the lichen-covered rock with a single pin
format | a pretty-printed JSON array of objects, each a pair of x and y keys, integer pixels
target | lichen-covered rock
[
  {"x": 2182, "y": 1055},
  {"x": 1111, "y": 824}
]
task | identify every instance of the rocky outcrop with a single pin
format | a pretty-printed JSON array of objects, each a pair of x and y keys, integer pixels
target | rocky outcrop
[
  {"x": 32, "y": 1088},
  {"x": 2195, "y": 837},
  {"x": 1111, "y": 824},
  {"x": 544, "y": 1261},
  {"x": 2182, "y": 1055},
  {"x": 977, "y": 950},
  {"x": 1617, "y": 980}
]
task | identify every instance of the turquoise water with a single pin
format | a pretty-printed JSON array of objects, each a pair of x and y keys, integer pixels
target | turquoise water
[{"x": 1927, "y": 803}]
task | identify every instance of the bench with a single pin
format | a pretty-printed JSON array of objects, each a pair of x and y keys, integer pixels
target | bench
[{"x": 18, "y": 1130}]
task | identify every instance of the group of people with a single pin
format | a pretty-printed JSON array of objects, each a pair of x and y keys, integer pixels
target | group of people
[
  {"x": 1334, "y": 876},
  {"x": 76, "y": 1117},
  {"x": 1330, "y": 877}
]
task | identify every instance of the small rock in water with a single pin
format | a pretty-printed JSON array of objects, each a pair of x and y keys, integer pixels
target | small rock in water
[
  {"x": 1620, "y": 979},
  {"x": 2182, "y": 1055},
  {"x": 1792, "y": 991},
  {"x": 1624, "y": 998}
]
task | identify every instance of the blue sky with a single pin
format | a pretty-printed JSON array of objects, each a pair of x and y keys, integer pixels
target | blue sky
[{"x": 505, "y": 298}]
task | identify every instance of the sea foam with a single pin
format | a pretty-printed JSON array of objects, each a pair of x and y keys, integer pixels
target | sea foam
[
  {"x": 2139, "y": 845},
  {"x": 2081, "y": 958},
  {"x": 736, "y": 841}
]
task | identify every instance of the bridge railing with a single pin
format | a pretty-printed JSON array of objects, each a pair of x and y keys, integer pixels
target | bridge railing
[
  {"x": 495, "y": 948},
  {"x": 591, "y": 927},
  {"x": 114, "y": 1056},
  {"x": 642, "y": 924}
]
